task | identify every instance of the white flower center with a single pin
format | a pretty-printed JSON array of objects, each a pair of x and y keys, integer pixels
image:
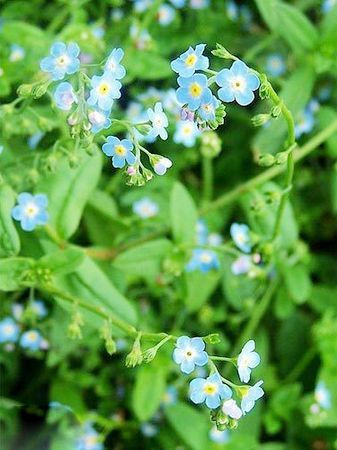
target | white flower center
[
  {"x": 31, "y": 210},
  {"x": 189, "y": 353},
  {"x": 63, "y": 60},
  {"x": 238, "y": 83},
  {"x": 8, "y": 330},
  {"x": 32, "y": 336},
  {"x": 205, "y": 257}
]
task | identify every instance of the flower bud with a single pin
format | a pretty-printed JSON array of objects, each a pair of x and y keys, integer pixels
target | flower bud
[
  {"x": 210, "y": 144},
  {"x": 213, "y": 338},
  {"x": 260, "y": 119},
  {"x": 25, "y": 90},
  {"x": 143, "y": 129},
  {"x": 266, "y": 160},
  {"x": 222, "y": 52},
  {"x": 39, "y": 90},
  {"x": 135, "y": 357},
  {"x": 281, "y": 158}
]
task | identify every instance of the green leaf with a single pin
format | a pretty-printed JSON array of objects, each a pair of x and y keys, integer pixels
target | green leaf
[
  {"x": 62, "y": 261},
  {"x": 191, "y": 426},
  {"x": 298, "y": 282},
  {"x": 146, "y": 65},
  {"x": 68, "y": 394},
  {"x": 148, "y": 391},
  {"x": 322, "y": 298},
  {"x": 145, "y": 260},
  {"x": 199, "y": 288},
  {"x": 9, "y": 238},
  {"x": 325, "y": 116},
  {"x": 68, "y": 190},
  {"x": 12, "y": 271},
  {"x": 267, "y": 9},
  {"x": 183, "y": 214}
]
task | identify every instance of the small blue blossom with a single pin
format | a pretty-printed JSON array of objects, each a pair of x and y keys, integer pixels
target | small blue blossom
[
  {"x": 63, "y": 60},
  {"x": 190, "y": 352},
  {"x": 34, "y": 140},
  {"x": 237, "y": 83},
  {"x": 210, "y": 390},
  {"x": 149, "y": 429},
  {"x": 275, "y": 65},
  {"x": 142, "y": 5},
  {"x": 241, "y": 237},
  {"x": 219, "y": 437},
  {"x": 231, "y": 409},
  {"x": 192, "y": 90},
  {"x": 64, "y": 96},
  {"x": 90, "y": 439},
  {"x": 186, "y": 133},
  {"x": 214, "y": 239},
  {"x": 323, "y": 395},
  {"x": 305, "y": 124},
  {"x": 170, "y": 396},
  {"x": 178, "y": 3},
  {"x": 248, "y": 359},
  {"x": 145, "y": 208},
  {"x": 158, "y": 121},
  {"x": 120, "y": 150},
  {"x": 17, "y": 311},
  {"x": 113, "y": 64},
  {"x": 328, "y": 5},
  {"x": 9, "y": 330},
  {"x": 250, "y": 396},
  {"x": 165, "y": 15},
  {"x": 161, "y": 165},
  {"x": 201, "y": 230},
  {"x": 39, "y": 308},
  {"x": 31, "y": 340},
  {"x": 203, "y": 260},
  {"x": 105, "y": 89},
  {"x": 99, "y": 120},
  {"x": 232, "y": 10},
  {"x": 98, "y": 31},
  {"x": 17, "y": 53},
  {"x": 31, "y": 210},
  {"x": 199, "y": 4},
  {"x": 208, "y": 105},
  {"x": 241, "y": 265},
  {"x": 190, "y": 61}
]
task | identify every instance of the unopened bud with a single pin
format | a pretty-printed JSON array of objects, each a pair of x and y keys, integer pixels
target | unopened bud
[
  {"x": 25, "y": 90},
  {"x": 260, "y": 119},
  {"x": 266, "y": 160}
]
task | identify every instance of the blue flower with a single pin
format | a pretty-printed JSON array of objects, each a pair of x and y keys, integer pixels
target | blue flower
[
  {"x": 190, "y": 61},
  {"x": 161, "y": 165},
  {"x": 165, "y": 15},
  {"x": 241, "y": 237},
  {"x": 323, "y": 395},
  {"x": 328, "y": 5},
  {"x": 199, "y": 4},
  {"x": 31, "y": 210},
  {"x": 250, "y": 396},
  {"x": 220, "y": 437},
  {"x": 214, "y": 239},
  {"x": 113, "y": 64},
  {"x": 203, "y": 260},
  {"x": 64, "y": 96},
  {"x": 186, "y": 133},
  {"x": 39, "y": 308},
  {"x": 99, "y": 119},
  {"x": 34, "y": 140},
  {"x": 105, "y": 89},
  {"x": 201, "y": 232},
  {"x": 305, "y": 124},
  {"x": 9, "y": 330},
  {"x": 90, "y": 440},
  {"x": 210, "y": 390},
  {"x": 237, "y": 83},
  {"x": 120, "y": 150},
  {"x": 247, "y": 360},
  {"x": 208, "y": 105},
  {"x": 63, "y": 60},
  {"x": 17, "y": 53},
  {"x": 149, "y": 429},
  {"x": 241, "y": 265},
  {"x": 158, "y": 121},
  {"x": 190, "y": 352},
  {"x": 31, "y": 340},
  {"x": 231, "y": 409},
  {"x": 145, "y": 208},
  {"x": 232, "y": 10},
  {"x": 275, "y": 65},
  {"x": 192, "y": 90},
  {"x": 170, "y": 396},
  {"x": 178, "y": 3}
]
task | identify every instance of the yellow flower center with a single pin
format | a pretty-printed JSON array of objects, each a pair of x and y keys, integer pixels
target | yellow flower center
[
  {"x": 120, "y": 150},
  {"x": 8, "y": 329},
  {"x": 31, "y": 210},
  {"x": 205, "y": 257},
  {"x": 187, "y": 129},
  {"x": 104, "y": 88},
  {"x": 32, "y": 336},
  {"x": 90, "y": 440},
  {"x": 210, "y": 389},
  {"x": 195, "y": 90},
  {"x": 191, "y": 60}
]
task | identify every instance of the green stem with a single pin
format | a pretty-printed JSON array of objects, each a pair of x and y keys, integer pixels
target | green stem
[
  {"x": 207, "y": 179},
  {"x": 221, "y": 358},
  {"x": 299, "y": 153},
  {"x": 301, "y": 366}
]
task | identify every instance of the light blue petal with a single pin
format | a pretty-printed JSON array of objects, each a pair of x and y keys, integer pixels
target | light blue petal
[
  {"x": 187, "y": 366},
  {"x": 108, "y": 149},
  {"x": 58, "y": 48},
  {"x": 226, "y": 95},
  {"x": 183, "y": 342},
  {"x": 213, "y": 401},
  {"x": 244, "y": 98},
  {"x": 198, "y": 343},
  {"x": 253, "y": 81},
  {"x": 118, "y": 161}
]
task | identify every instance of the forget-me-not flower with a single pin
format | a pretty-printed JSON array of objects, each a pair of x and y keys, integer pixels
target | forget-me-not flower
[
  {"x": 231, "y": 408},
  {"x": 170, "y": 396},
  {"x": 241, "y": 265},
  {"x": 39, "y": 308},
  {"x": 9, "y": 330},
  {"x": 120, "y": 150},
  {"x": 248, "y": 359},
  {"x": 219, "y": 437},
  {"x": 64, "y": 96},
  {"x": 241, "y": 237},
  {"x": 63, "y": 60},
  {"x": 113, "y": 64},
  {"x": 190, "y": 352},
  {"x": 208, "y": 105},
  {"x": 199, "y": 4},
  {"x": 99, "y": 119},
  {"x": 158, "y": 121},
  {"x": 145, "y": 208},
  {"x": 328, "y": 5},
  {"x": 165, "y": 14},
  {"x": 161, "y": 165},
  {"x": 104, "y": 90},
  {"x": 17, "y": 53},
  {"x": 192, "y": 90},
  {"x": 203, "y": 260},
  {"x": 31, "y": 340},
  {"x": 323, "y": 395},
  {"x": 89, "y": 440},
  {"x": 237, "y": 83},
  {"x": 305, "y": 124},
  {"x": 190, "y": 61},
  {"x": 250, "y": 396},
  {"x": 31, "y": 210},
  {"x": 186, "y": 133},
  {"x": 210, "y": 390},
  {"x": 275, "y": 65}
]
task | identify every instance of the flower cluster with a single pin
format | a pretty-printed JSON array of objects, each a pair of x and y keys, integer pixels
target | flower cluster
[
  {"x": 214, "y": 390},
  {"x": 200, "y": 105}
]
